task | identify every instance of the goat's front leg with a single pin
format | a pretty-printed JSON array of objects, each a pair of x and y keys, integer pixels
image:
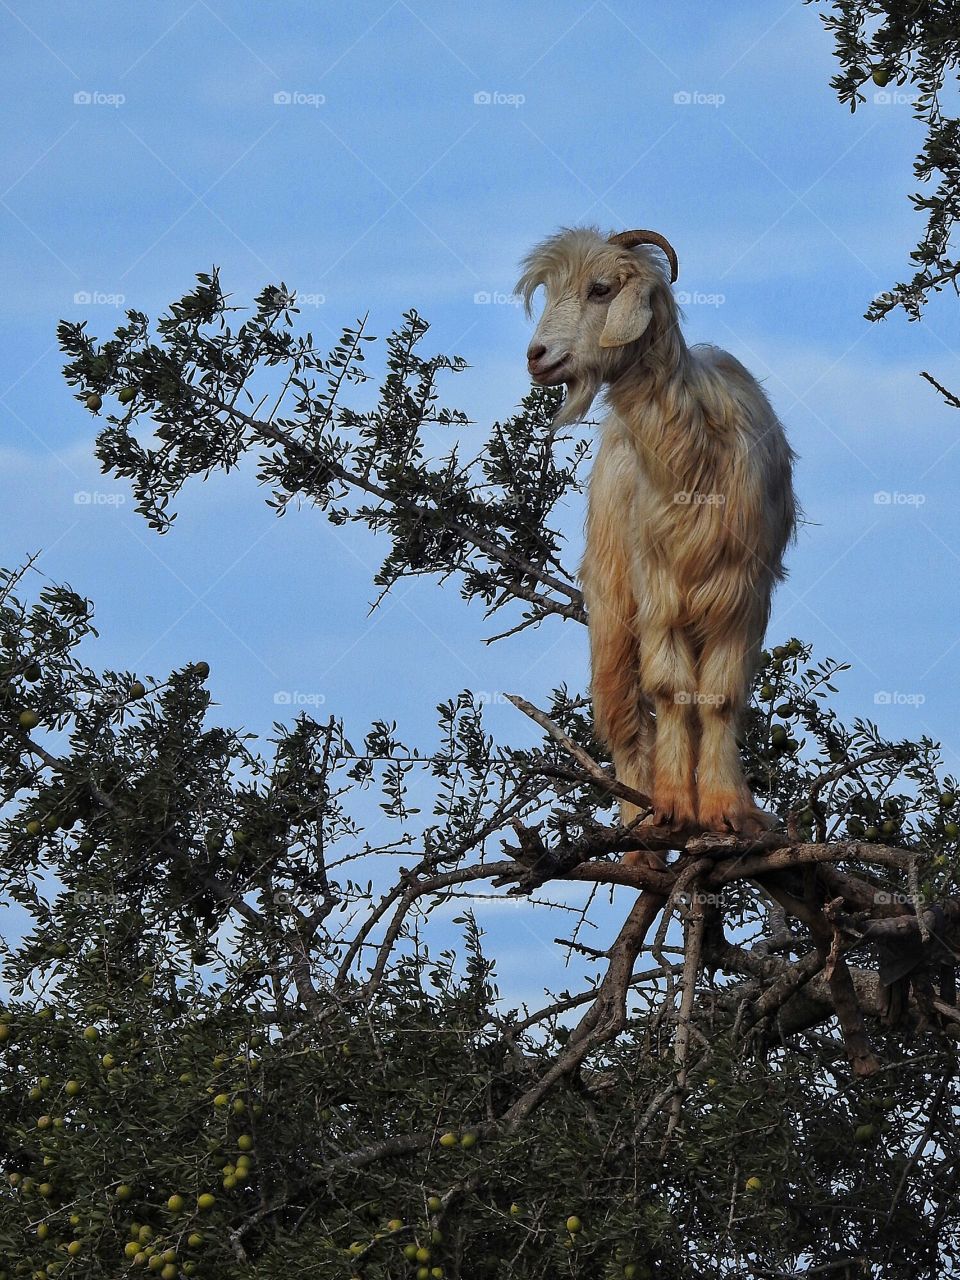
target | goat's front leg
[
  {"x": 724, "y": 802},
  {"x": 621, "y": 716},
  {"x": 667, "y": 673}
]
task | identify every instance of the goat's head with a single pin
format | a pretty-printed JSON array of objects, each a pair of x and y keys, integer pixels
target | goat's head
[{"x": 607, "y": 303}]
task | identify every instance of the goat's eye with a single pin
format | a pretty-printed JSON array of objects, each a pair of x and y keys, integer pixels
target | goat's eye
[{"x": 599, "y": 290}]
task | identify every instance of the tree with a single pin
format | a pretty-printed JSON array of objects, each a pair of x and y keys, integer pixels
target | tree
[
  {"x": 230, "y": 1053},
  {"x": 910, "y": 43}
]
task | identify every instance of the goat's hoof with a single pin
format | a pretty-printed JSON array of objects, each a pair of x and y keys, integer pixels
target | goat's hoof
[
  {"x": 671, "y": 820},
  {"x": 729, "y": 812}
]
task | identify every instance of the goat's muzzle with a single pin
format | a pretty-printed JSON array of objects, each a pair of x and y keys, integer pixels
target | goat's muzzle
[{"x": 545, "y": 367}]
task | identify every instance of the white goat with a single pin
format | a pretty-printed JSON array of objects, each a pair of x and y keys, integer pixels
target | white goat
[{"x": 691, "y": 506}]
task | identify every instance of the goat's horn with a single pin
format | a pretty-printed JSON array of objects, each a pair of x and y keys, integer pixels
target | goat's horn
[{"x": 630, "y": 238}]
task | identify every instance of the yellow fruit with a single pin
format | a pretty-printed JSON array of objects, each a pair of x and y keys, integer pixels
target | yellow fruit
[
  {"x": 170, "y": 1271},
  {"x": 28, "y": 719},
  {"x": 34, "y": 827},
  {"x": 194, "y": 1239},
  {"x": 123, "y": 1192},
  {"x": 43, "y": 1231},
  {"x": 574, "y": 1224},
  {"x": 410, "y": 1252},
  {"x": 90, "y": 1033},
  {"x": 244, "y": 1142},
  {"x": 74, "y": 1247},
  {"x": 515, "y": 1211},
  {"x": 423, "y": 1254},
  {"x": 175, "y": 1203},
  {"x": 131, "y": 1249},
  {"x": 448, "y": 1140},
  {"x": 395, "y": 1224},
  {"x": 94, "y": 402},
  {"x": 137, "y": 689},
  {"x": 72, "y": 1088},
  {"x": 468, "y": 1140},
  {"x": 753, "y": 1184},
  {"x": 435, "y": 1204},
  {"x": 206, "y": 1200},
  {"x": 126, "y": 394},
  {"x": 881, "y": 76},
  {"x": 222, "y": 1100}
]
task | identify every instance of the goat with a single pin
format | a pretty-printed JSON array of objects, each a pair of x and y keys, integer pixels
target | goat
[{"x": 690, "y": 509}]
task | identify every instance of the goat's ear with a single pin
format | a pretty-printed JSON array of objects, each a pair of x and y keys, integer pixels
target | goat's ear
[{"x": 629, "y": 314}]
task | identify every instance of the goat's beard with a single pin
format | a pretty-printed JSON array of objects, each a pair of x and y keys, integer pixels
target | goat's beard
[{"x": 581, "y": 393}]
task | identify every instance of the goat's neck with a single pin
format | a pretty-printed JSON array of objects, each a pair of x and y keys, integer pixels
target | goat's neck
[{"x": 653, "y": 399}]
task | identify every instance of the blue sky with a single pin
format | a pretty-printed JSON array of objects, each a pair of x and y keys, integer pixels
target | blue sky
[{"x": 382, "y": 185}]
